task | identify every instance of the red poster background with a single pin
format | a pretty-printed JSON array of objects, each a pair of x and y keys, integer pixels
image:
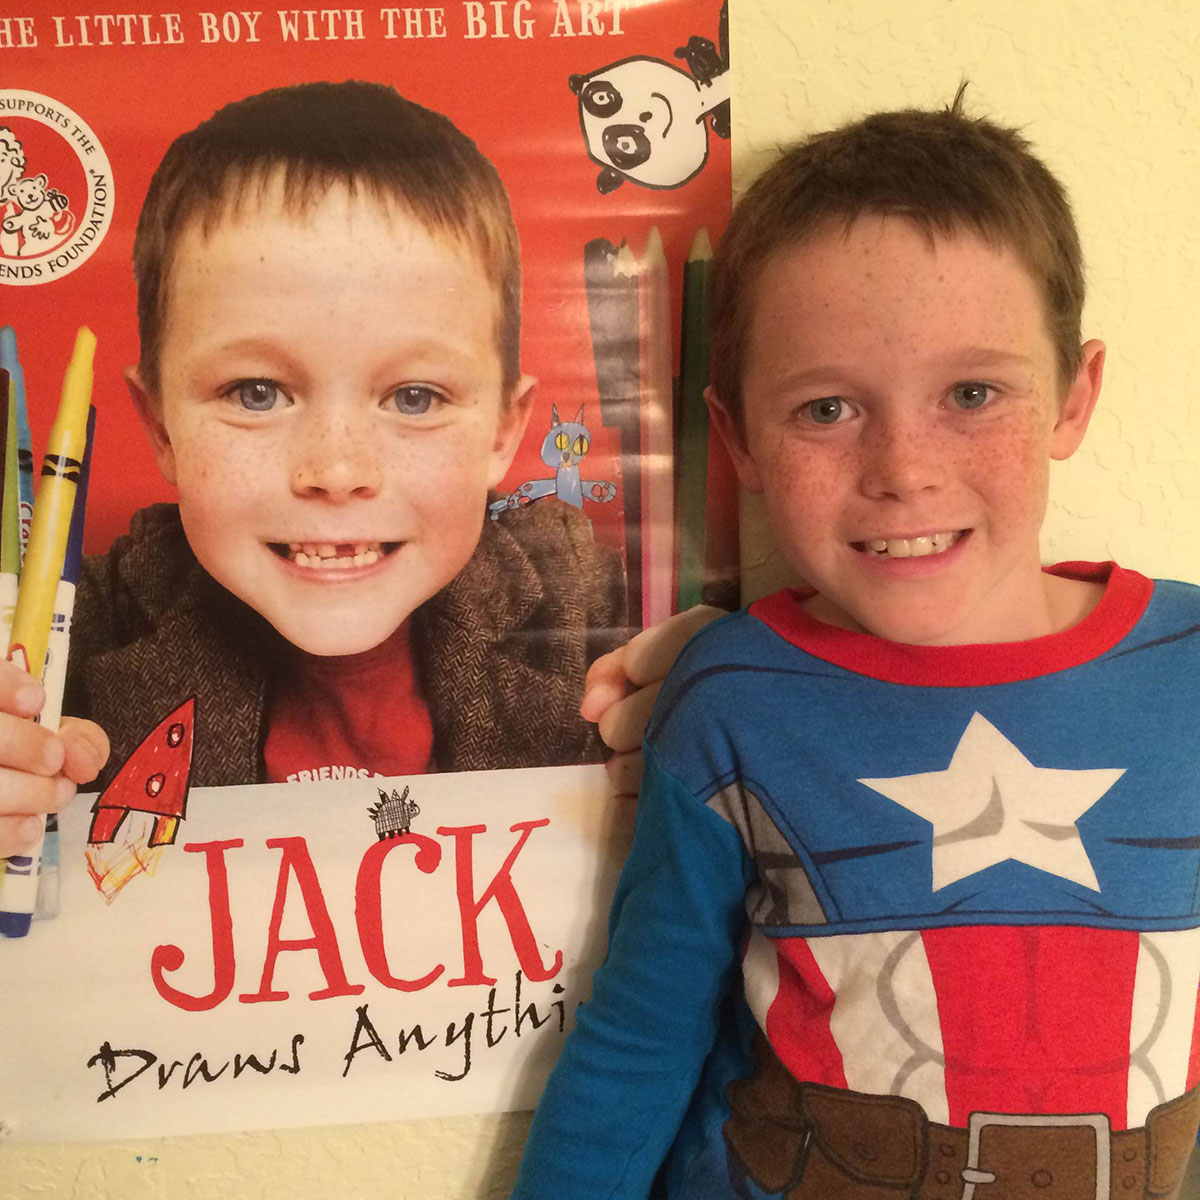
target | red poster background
[{"x": 509, "y": 93}]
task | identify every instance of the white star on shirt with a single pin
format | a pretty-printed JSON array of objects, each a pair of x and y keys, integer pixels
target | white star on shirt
[{"x": 991, "y": 804}]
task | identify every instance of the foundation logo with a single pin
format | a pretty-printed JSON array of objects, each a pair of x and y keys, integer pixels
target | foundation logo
[{"x": 56, "y": 190}]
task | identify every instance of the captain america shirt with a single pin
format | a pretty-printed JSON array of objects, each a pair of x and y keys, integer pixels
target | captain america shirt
[{"x": 957, "y": 879}]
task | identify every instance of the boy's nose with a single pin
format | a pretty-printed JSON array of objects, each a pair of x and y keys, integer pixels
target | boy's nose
[
  {"x": 900, "y": 459},
  {"x": 337, "y": 462}
]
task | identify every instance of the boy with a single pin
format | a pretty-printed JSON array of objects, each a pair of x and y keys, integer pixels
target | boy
[
  {"x": 329, "y": 312},
  {"x": 959, "y": 878}
]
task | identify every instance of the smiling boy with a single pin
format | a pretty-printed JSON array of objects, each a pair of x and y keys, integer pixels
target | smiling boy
[
  {"x": 911, "y": 909},
  {"x": 329, "y": 310},
  {"x": 911, "y": 505}
]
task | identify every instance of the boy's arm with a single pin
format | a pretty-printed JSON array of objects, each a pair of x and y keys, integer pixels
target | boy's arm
[
  {"x": 39, "y": 770},
  {"x": 622, "y": 686},
  {"x": 615, "y": 1101}
]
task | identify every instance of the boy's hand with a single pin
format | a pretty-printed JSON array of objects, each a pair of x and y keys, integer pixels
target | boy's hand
[
  {"x": 39, "y": 770},
  {"x": 622, "y": 686}
]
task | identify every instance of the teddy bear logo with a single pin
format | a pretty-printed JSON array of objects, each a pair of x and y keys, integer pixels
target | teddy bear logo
[
  {"x": 34, "y": 217},
  {"x": 647, "y": 121}
]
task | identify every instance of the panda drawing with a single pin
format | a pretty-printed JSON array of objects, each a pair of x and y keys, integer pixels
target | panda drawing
[{"x": 647, "y": 121}]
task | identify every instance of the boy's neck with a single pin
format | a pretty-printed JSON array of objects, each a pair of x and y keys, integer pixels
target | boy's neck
[{"x": 1067, "y": 602}]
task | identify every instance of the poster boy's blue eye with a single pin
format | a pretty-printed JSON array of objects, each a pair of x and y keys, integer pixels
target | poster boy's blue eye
[
  {"x": 414, "y": 399},
  {"x": 256, "y": 395}
]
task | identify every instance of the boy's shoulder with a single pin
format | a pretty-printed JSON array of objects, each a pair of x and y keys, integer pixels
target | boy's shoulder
[
  {"x": 539, "y": 563},
  {"x": 1170, "y": 622},
  {"x": 727, "y": 641},
  {"x": 145, "y": 571},
  {"x": 719, "y": 673},
  {"x": 1138, "y": 612},
  {"x": 1173, "y": 597},
  {"x": 148, "y": 582}
]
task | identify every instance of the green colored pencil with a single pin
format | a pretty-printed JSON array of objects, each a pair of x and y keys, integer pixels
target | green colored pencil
[{"x": 692, "y": 447}]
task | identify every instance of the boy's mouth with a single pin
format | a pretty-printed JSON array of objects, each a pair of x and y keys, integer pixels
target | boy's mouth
[
  {"x": 333, "y": 555},
  {"x": 914, "y": 547}
]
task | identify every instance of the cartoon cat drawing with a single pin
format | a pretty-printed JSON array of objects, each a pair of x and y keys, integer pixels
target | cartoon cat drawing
[{"x": 564, "y": 448}]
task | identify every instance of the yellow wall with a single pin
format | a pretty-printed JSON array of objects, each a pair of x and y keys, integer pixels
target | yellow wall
[{"x": 1106, "y": 91}]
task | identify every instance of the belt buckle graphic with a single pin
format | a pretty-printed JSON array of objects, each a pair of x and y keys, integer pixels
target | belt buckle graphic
[{"x": 1099, "y": 1122}]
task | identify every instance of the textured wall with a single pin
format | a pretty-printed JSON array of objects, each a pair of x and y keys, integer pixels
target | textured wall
[{"x": 1106, "y": 91}]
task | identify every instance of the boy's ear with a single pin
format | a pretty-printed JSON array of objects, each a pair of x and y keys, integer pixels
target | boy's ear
[
  {"x": 514, "y": 416},
  {"x": 735, "y": 442},
  {"x": 148, "y": 411},
  {"x": 1079, "y": 402}
]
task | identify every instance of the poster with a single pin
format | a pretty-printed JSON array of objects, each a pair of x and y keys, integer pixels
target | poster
[
  {"x": 607, "y": 124},
  {"x": 287, "y": 968}
]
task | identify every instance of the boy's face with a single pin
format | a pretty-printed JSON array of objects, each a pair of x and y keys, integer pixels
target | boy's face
[
  {"x": 331, "y": 411},
  {"x": 902, "y": 403}
]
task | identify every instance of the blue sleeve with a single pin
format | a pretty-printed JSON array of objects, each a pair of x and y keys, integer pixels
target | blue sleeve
[{"x": 616, "y": 1098}]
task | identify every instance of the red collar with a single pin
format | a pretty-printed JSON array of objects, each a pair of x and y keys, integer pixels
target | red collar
[{"x": 1125, "y": 597}]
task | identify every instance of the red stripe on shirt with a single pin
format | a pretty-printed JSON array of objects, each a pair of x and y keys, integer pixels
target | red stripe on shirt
[
  {"x": 1035, "y": 1019},
  {"x": 798, "y": 1019},
  {"x": 1193, "y": 1075}
]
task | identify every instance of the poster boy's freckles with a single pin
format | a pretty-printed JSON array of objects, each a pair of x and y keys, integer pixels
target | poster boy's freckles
[{"x": 332, "y": 411}]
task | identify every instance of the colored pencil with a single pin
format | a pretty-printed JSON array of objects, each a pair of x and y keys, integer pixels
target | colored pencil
[
  {"x": 12, "y": 363},
  {"x": 692, "y": 443},
  {"x": 657, "y": 413},
  {"x": 51, "y": 526},
  {"x": 723, "y": 531},
  {"x": 40, "y": 576},
  {"x": 610, "y": 277}
]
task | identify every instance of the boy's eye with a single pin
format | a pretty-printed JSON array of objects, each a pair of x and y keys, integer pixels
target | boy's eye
[
  {"x": 255, "y": 395},
  {"x": 414, "y": 399},
  {"x": 971, "y": 395},
  {"x": 829, "y": 410}
]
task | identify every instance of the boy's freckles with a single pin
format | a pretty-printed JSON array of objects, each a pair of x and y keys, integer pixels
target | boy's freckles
[
  {"x": 901, "y": 408},
  {"x": 331, "y": 412}
]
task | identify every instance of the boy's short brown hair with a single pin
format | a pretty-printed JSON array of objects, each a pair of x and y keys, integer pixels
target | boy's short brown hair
[
  {"x": 946, "y": 171},
  {"x": 314, "y": 136}
]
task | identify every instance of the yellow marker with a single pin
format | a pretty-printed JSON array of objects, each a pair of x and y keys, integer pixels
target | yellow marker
[{"x": 52, "y": 512}]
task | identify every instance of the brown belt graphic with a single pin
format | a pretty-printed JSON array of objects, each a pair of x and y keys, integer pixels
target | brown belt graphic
[{"x": 817, "y": 1143}]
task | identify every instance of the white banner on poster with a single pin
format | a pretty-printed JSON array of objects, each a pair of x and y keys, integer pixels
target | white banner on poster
[{"x": 283, "y": 959}]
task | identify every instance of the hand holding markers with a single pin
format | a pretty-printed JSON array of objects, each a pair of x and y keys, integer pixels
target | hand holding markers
[
  {"x": 39, "y": 770},
  {"x": 40, "y": 764}
]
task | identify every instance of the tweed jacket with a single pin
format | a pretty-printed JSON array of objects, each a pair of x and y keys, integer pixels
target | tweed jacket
[{"x": 500, "y": 652}]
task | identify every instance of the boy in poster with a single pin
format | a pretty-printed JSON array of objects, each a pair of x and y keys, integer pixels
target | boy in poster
[{"x": 329, "y": 306}]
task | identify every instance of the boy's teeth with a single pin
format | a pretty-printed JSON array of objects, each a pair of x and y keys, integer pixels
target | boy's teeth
[
  {"x": 916, "y": 547},
  {"x": 333, "y": 555}
]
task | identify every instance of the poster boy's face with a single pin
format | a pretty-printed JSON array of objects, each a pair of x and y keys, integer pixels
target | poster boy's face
[
  {"x": 331, "y": 411},
  {"x": 902, "y": 404}
]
